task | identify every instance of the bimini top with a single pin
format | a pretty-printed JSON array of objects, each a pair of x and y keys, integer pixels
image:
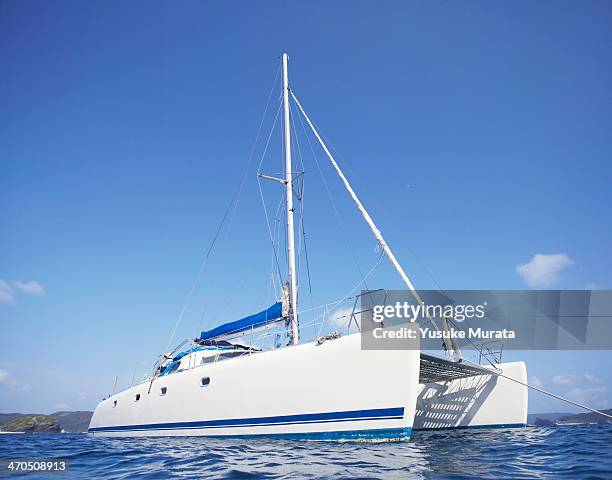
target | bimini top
[{"x": 252, "y": 321}]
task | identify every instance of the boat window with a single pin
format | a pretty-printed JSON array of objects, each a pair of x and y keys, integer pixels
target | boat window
[
  {"x": 137, "y": 396},
  {"x": 231, "y": 354},
  {"x": 204, "y": 381},
  {"x": 163, "y": 390},
  {"x": 114, "y": 403},
  {"x": 221, "y": 356}
]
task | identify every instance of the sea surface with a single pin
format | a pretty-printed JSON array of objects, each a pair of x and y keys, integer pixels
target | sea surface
[{"x": 574, "y": 451}]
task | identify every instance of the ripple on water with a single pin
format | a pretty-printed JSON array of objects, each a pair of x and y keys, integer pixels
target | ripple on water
[{"x": 578, "y": 451}]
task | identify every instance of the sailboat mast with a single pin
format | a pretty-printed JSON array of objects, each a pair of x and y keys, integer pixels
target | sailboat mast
[{"x": 290, "y": 210}]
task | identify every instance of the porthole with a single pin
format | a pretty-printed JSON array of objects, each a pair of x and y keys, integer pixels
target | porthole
[
  {"x": 137, "y": 396},
  {"x": 204, "y": 381},
  {"x": 163, "y": 390}
]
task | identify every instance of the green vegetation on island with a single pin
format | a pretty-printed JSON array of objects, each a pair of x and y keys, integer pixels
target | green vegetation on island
[
  {"x": 590, "y": 417},
  {"x": 36, "y": 423},
  {"x": 548, "y": 419},
  {"x": 32, "y": 424}
]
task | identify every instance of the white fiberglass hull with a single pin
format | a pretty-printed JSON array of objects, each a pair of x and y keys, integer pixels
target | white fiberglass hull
[
  {"x": 475, "y": 402},
  {"x": 333, "y": 391}
]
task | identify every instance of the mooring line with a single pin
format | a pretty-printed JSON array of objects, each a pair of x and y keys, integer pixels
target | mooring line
[{"x": 499, "y": 373}]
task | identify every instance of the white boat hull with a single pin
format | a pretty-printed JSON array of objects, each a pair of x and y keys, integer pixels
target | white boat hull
[
  {"x": 333, "y": 391},
  {"x": 475, "y": 402}
]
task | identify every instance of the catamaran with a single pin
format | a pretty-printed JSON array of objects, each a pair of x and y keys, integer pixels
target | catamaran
[{"x": 326, "y": 389}]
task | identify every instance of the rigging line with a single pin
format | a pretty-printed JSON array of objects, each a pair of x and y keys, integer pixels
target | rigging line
[
  {"x": 499, "y": 373},
  {"x": 348, "y": 295},
  {"x": 273, "y": 273},
  {"x": 197, "y": 278},
  {"x": 324, "y": 305},
  {"x": 272, "y": 288},
  {"x": 277, "y": 233},
  {"x": 301, "y": 223},
  {"x": 234, "y": 201},
  {"x": 299, "y": 246},
  {"x": 345, "y": 165},
  {"x": 337, "y": 213},
  {"x": 295, "y": 136},
  {"x": 299, "y": 177},
  {"x": 284, "y": 211},
  {"x": 455, "y": 355},
  {"x": 476, "y": 347},
  {"x": 299, "y": 192},
  {"x": 251, "y": 155},
  {"x": 263, "y": 155},
  {"x": 303, "y": 230},
  {"x": 419, "y": 260},
  {"x": 278, "y": 225},
  {"x": 263, "y": 201},
  {"x": 308, "y": 269},
  {"x": 237, "y": 287},
  {"x": 331, "y": 200},
  {"x": 443, "y": 291}
]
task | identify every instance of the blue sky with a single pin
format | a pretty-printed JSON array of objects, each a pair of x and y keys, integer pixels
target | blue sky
[{"x": 476, "y": 133}]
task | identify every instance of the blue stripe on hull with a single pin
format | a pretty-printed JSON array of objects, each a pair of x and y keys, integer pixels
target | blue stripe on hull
[
  {"x": 327, "y": 417},
  {"x": 383, "y": 434},
  {"x": 474, "y": 427},
  {"x": 171, "y": 426},
  {"x": 380, "y": 435}
]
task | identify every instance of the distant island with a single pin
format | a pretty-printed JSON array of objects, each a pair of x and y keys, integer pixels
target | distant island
[
  {"x": 32, "y": 424},
  {"x": 37, "y": 423},
  {"x": 545, "y": 419},
  {"x": 78, "y": 422},
  {"x": 590, "y": 417}
]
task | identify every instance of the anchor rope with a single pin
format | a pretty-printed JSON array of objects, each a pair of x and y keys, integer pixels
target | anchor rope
[{"x": 499, "y": 373}]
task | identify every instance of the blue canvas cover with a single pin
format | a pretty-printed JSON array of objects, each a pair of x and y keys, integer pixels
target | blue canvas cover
[
  {"x": 171, "y": 367},
  {"x": 252, "y": 321}
]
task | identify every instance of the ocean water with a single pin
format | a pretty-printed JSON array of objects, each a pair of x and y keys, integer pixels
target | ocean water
[{"x": 576, "y": 451}]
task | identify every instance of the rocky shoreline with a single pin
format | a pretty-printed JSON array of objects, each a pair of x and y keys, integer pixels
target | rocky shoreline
[
  {"x": 37, "y": 423},
  {"x": 32, "y": 424},
  {"x": 580, "y": 418}
]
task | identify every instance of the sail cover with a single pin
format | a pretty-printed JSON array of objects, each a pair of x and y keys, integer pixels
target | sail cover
[{"x": 252, "y": 321}]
